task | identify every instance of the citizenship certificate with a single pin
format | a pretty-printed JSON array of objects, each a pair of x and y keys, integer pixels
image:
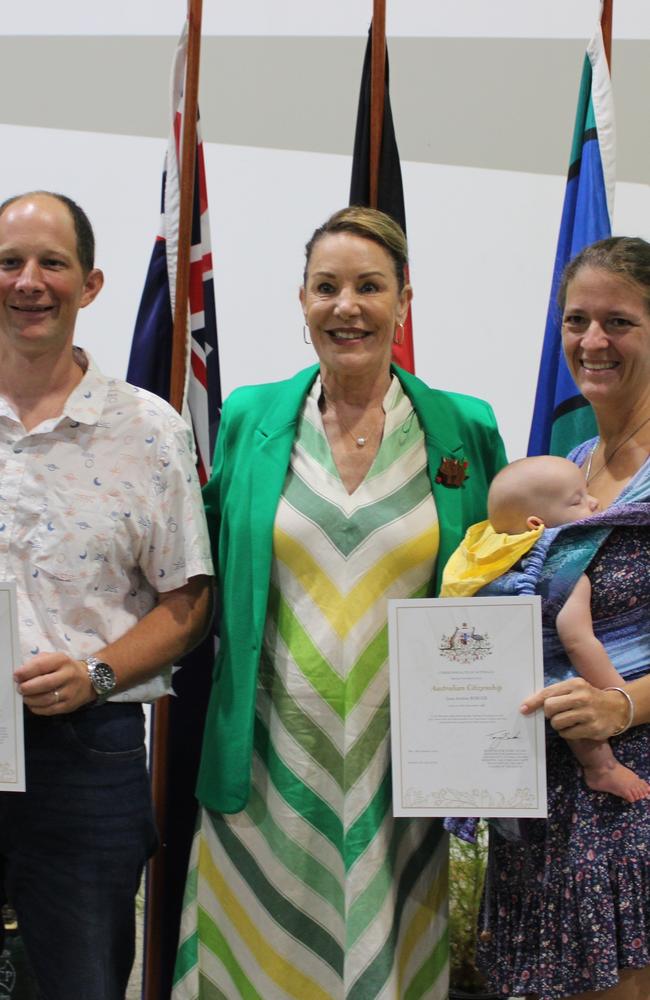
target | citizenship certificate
[
  {"x": 459, "y": 670},
  {"x": 12, "y": 746}
]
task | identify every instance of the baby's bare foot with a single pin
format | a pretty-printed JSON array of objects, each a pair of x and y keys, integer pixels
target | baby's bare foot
[{"x": 617, "y": 780}]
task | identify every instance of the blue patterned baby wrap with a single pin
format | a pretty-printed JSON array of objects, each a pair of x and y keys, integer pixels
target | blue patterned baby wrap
[
  {"x": 553, "y": 567},
  {"x": 558, "y": 559}
]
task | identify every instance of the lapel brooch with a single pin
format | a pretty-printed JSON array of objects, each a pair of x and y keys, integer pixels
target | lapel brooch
[{"x": 452, "y": 472}]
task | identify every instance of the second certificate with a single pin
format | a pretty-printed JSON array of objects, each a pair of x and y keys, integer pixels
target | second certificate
[{"x": 460, "y": 669}]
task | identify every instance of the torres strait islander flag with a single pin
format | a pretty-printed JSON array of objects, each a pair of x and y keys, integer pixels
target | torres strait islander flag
[
  {"x": 150, "y": 367},
  {"x": 151, "y": 349},
  {"x": 390, "y": 193},
  {"x": 562, "y": 418}
]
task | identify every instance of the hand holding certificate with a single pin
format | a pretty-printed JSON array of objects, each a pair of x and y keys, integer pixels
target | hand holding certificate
[
  {"x": 460, "y": 670},
  {"x": 12, "y": 747}
]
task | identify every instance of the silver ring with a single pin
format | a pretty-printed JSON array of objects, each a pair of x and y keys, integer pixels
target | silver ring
[{"x": 56, "y": 696}]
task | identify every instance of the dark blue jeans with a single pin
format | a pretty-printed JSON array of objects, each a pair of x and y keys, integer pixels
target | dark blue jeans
[{"x": 74, "y": 846}]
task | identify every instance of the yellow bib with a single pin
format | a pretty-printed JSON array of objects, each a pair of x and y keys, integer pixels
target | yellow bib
[{"x": 482, "y": 556}]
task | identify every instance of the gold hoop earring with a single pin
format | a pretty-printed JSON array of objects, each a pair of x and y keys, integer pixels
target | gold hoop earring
[
  {"x": 305, "y": 335},
  {"x": 400, "y": 341}
]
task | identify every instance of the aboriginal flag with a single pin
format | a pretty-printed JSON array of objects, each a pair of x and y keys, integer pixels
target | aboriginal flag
[{"x": 390, "y": 193}]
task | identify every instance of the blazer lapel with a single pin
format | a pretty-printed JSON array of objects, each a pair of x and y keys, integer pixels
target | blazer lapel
[
  {"x": 271, "y": 453},
  {"x": 433, "y": 413}
]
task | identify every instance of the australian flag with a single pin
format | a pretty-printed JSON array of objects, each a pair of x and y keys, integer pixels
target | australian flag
[
  {"x": 150, "y": 367},
  {"x": 151, "y": 350}
]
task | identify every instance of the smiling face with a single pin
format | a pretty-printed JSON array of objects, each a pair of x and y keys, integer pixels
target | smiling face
[
  {"x": 352, "y": 305},
  {"x": 606, "y": 339},
  {"x": 42, "y": 284}
]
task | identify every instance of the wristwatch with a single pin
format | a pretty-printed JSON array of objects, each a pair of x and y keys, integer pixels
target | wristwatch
[{"x": 102, "y": 678}]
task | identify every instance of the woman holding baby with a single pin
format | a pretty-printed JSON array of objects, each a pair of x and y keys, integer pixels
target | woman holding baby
[{"x": 567, "y": 911}]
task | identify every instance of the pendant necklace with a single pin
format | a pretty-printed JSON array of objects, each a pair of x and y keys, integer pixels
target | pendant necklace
[
  {"x": 361, "y": 440},
  {"x": 588, "y": 475}
]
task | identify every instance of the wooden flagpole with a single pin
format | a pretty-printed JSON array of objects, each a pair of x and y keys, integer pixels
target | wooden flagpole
[
  {"x": 606, "y": 27},
  {"x": 188, "y": 161},
  {"x": 159, "y": 746},
  {"x": 377, "y": 88}
]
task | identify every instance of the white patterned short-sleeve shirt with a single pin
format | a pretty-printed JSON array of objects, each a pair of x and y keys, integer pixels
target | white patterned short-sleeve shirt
[{"x": 100, "y": 511}]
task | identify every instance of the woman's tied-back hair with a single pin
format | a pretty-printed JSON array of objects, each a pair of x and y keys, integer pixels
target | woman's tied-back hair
[
  {"x": 369, "y": 224},
  {"x": 628, "y": 257}
]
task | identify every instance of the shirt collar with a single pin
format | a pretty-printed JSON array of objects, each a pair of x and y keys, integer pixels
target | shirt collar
[{"x": 85, "y": 403}]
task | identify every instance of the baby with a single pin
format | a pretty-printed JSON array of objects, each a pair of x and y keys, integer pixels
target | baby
[{"x": 525, "y": 497}]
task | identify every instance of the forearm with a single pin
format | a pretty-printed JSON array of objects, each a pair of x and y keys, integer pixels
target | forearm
[
  {"x": 639, "y": 692},
  {"x": 590, "y": 659},
  {"x": 53, "y": 683},
  {"x": 575, "y": 628},
  {"x": 172, "y": 628}
]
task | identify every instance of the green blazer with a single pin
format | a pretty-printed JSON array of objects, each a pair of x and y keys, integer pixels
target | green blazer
[{"x": 256, "y": 434}]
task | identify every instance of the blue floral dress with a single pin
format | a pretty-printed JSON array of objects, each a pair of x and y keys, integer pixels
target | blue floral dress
[{"x": 570, "y": 906}]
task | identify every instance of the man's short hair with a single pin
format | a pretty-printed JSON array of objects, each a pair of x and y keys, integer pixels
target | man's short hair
[{"x": 82, "y": 227}]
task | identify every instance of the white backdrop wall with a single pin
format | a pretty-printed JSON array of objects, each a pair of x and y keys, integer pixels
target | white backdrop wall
[{"x": 482, "y": 239}]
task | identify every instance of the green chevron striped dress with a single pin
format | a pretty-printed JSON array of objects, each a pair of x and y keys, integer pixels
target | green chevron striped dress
[{"x": 315, "y": 892}]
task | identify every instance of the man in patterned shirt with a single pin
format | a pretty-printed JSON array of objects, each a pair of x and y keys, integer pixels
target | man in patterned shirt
[{"x": 102, "y": 530}]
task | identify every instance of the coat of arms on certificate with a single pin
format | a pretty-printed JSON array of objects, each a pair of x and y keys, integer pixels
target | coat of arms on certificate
[{"x": 465, "y": 644}]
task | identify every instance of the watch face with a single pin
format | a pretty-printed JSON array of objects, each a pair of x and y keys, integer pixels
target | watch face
[{"x": 102, "y": 678}]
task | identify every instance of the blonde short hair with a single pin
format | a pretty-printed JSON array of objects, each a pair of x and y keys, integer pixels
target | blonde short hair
[{"x": 369, "y": 224}]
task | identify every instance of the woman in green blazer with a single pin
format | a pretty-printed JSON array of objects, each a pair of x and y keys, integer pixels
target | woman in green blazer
[{"x": 332, "y": 491}]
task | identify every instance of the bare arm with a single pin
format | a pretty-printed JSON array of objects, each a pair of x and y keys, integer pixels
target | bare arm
[
  {"x": 575, "y": 628},
  {"x": 577, "y": 708},
  {"x": 176, "y": 624}
]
